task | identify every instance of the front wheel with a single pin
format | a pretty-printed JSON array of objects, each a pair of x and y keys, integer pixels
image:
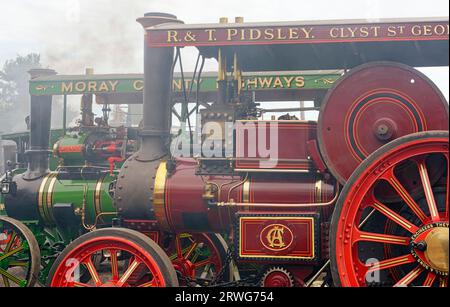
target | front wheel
[
  {"x": 403, "y": 243},
  {"x": 131, "y": 260}
]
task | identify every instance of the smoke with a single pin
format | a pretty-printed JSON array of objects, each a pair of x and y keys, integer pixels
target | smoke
[{"x": 99, "y": 34}]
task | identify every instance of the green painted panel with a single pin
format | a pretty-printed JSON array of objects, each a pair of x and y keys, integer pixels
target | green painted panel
[{"x": 256, "y": 81}]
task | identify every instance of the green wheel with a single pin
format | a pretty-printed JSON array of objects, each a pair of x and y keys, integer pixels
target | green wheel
[{"x": 19, "y": 254}]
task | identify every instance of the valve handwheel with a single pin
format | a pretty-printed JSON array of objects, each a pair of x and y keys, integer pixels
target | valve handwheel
[{"x": 418, "y": 245}]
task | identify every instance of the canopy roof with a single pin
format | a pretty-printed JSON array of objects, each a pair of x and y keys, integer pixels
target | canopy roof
[{"x": 311, "y": 45}]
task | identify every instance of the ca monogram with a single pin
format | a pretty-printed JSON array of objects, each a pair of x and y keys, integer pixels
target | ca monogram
[{"x": 275, "y": 237}]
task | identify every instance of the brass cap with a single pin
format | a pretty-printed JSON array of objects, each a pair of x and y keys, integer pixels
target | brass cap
[{"x": 437, "y": 248}]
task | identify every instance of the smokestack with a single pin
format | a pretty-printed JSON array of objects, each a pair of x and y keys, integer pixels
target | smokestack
[
  {"x": 157, "y": 91},
  {"x": 134, "y": 194},
  {"x": 40, "y": 121}
]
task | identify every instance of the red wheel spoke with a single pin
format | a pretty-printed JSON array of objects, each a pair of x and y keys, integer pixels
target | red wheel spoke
[
  {"x": 410, "y": 277},
  {"x": 407, "y": 198},
  {"x": 114, "y": 264},
  {"x": 431, "y": 277},
  {"x": 80, "y": 285},
  {"x": 202, "y": 263},
  {"x": 93, "y": 271},
  {"x": 377, "y": 237},
  {"x": 149, "y": 284},
  {"x": 383, "y": 209},
  {"x": 131, "y": 268},
  {"x": 390, "y": 263},
  {"x": 428, "y": 190}
]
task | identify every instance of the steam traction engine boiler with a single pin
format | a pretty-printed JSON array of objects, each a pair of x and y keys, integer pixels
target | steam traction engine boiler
[{"x": 361, "y": 195}]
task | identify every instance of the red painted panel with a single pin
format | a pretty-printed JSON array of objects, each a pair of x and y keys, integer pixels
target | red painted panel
[
  {"x": 278, "y": 237},
  {"x": 286, "y": 142}
]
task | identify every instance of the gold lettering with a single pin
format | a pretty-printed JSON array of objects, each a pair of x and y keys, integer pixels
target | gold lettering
[
  {"x": 427, "y": 30},
  {"x": 80, "y": 86},
  {"x": 255, "y": 34},
  {"x": 334, "y": 32},
  {"x": 138, "y": 85},
  {"x": 293, "y": 33},
  {"x": 299, "y": 81},
  {"x": 211, "y": 33},
  {"x": 280, "y": 34},
  {"x": 268, "y": 34},
  {"x": 177, "y": 85},
  {"x": 364, "y": 32},
  {"x": 308, "y": 32},
  {"x": 342, "y": 33},
  {"x": 113, "y": 85},
  {"x": 190, "y": 37},
  {"x": 278, "y": 83},
  {"x": 103, "y": 87},
  {"x": 375, "y": 30},
  {"x": 67, "y": 87},
  {"x": 265, "y": 82},
  {"x": 172, "y": 36},
  {"x": 252, "y": 82},
  {"x": 231, "y": 33},
  {"x": 92, "y": 86},
  {"x": 440, "y": 30},
  {"x": 416, "y": 31},
  {"x": 352, "y": 31},
  {"x": 288, "y": 80},
  {"x": 392, "y": 31},
  {"x": 242, "y": 34}
]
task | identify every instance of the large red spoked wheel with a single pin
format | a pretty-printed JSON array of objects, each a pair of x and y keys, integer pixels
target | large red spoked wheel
[
  {"x": 132, "y": 260},
  {"x": 199, "y": 258},
  {"x": 404, "y": 243}
]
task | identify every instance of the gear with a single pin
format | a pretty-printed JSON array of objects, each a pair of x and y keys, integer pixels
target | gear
[{"x": 277, "y": 277}]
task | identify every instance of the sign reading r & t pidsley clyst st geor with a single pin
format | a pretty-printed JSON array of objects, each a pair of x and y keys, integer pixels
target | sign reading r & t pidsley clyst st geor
[{"x": 295, "y": 33}]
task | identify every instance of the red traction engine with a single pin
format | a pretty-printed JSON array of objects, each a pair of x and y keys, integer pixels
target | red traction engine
[{"x": 360, "y": 196}]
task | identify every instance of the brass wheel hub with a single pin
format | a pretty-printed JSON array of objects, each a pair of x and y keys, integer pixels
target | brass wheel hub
[
  {"x": 430, "y": 247},
  {"x": 437, "y": 248}
]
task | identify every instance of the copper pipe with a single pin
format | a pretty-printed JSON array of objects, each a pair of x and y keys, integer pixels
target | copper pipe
[{"x": 281, "y": 206}]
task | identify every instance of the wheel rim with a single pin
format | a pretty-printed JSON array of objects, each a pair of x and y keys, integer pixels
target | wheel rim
[
  {"x": 18, "y": 255},
  {"x": 416, "y": 249},
  {"x": 127, "y": 265},
  {"x": 196, "y": 256}
]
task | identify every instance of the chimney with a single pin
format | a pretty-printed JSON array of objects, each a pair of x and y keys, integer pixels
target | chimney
[
  {"x": 157, "y": 91},
  {"x": 40, "y": 120}
]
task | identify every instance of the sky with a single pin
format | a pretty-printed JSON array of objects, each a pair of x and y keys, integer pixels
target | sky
[{"x": 71, "y": 35}]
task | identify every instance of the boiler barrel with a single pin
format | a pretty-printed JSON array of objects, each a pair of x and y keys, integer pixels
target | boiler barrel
[{"x": 180, "y": 203}]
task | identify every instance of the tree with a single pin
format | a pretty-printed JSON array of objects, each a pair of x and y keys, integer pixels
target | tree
[{"x": 14, "y": 97}]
